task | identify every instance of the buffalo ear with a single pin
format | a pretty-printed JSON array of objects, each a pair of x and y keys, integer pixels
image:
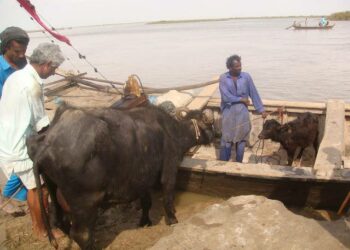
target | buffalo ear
[{"x": 208, "y": 116}]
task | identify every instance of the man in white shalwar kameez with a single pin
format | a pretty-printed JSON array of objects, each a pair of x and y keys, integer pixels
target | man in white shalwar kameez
[{"x": 22, "y": 114}]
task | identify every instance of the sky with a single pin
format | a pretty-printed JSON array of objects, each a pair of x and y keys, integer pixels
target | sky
[{"x": 70, "y": 13}]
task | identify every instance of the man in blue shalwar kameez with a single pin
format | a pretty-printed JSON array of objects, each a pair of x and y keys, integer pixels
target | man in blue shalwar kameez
[{"x": 235, "y": 88}]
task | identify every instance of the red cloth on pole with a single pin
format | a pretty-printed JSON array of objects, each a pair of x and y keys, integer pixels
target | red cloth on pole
[{"x": 31, "y": 10}]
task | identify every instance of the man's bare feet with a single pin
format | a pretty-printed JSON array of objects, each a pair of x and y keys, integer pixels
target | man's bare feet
[
  {"x": 57, "y": 233},
  {"x": 42, "y": 235}
]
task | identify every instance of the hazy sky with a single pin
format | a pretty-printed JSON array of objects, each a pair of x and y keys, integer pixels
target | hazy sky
[{"x": 63, "y": 13}]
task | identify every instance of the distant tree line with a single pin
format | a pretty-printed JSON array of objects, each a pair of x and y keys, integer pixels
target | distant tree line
[{"x": 340, "y": 16}]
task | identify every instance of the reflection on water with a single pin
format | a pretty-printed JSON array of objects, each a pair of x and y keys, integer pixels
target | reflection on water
[
  {"x": 309, "y": 65},
  {"x": 183, "y": 199}
]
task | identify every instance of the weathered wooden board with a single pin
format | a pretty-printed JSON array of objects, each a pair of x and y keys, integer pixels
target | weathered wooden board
[
  {"x": 292, "y": 186},
  {"x": 203, "y": 97},
  {"x": 331, "y": 149}
]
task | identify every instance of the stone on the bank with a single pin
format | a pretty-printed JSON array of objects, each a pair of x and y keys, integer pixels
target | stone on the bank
[{"x": 254, "y": 222}]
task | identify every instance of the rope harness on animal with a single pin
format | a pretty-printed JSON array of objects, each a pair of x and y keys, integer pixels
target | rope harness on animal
[
  {"x": 280, "y": 113},
  {"x": 11, "y": 198},
  {"x": 196, "y": 128}
]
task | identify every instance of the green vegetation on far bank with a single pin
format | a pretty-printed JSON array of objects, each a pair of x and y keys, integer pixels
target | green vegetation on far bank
[{"x": 340, "y": 16}]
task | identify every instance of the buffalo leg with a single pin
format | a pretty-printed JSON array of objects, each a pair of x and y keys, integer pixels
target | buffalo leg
[
  {"x": 290, "y": 158},
  {"x": 146, "y": 203},
  {"x": 57, "y": 216},
  {"x": 299, "y": 151},
  {"x": 64, "y": 212},
  {"x": 168, "y": 201},
  {"x": 315, "y": 144},
  {"x": 54, "y": 213}
]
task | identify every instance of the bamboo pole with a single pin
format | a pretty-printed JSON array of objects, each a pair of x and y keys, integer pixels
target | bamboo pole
[
  {"x": 96, "y": 86},
  {"x": 158, "y": 90},
  {"x": 101, "y": 80},
  {"x": 187, "y": 87}
]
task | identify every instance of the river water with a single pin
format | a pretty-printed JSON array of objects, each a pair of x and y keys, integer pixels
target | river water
[{"x": 285, "y": 64}]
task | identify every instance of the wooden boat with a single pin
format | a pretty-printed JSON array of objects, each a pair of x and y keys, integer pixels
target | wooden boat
[
  {"x": 322, "y": 182},
  {"x": 301, "y": 27}
]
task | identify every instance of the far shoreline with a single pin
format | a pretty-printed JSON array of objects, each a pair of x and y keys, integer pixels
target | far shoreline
[
  {"x": 177, "y": 21},
  {"x": 227, "y": 19}
]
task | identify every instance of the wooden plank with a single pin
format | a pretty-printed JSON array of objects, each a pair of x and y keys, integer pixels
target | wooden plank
[
  {"x": 215, "y": 104},
  {"x": 346, "y": 160},
  {"x": 215, "y": 101},
  {"x": 65, "y": 79},
  {"x": 262, "y": 171},
  {"x": 203, "y": 97},
  {"x": 331, "y": 150},
  {"x": 57, "y": 90}
]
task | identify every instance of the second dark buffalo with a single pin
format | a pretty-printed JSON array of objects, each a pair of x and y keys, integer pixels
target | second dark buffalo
[{"x": 301, "y": 132}]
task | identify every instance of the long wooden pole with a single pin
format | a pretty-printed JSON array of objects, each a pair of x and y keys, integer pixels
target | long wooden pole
[{"x": 345, "y": 202}]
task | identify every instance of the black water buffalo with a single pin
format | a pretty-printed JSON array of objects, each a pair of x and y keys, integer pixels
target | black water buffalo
[
  {"x": 301, "y": 132},
  {"x": 103, "y": 155}
]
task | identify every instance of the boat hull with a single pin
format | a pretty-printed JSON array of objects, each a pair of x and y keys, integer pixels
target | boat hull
[
  {"x": 291, "y": 191},
  {"x": 313, "y": 27}
]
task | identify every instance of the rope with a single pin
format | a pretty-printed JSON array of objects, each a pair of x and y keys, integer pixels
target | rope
[
  {"x": 268, "y": 113},
  {"x": 257, "y": 149},
  {"x": 11, "y": 198},
  {"x": 262, "y": 150},
  {"x": 196, "y": 129},
  {"x": 76, "y": 50},
  {"x": 146, "y": 89},
  {"x": 280, "y": 111},
  {"x": 257, "y": 158},
  {"x": 52, "y": 41},
  {"x": 139, "y": 80},
  {"x": 181, "y": 88}
]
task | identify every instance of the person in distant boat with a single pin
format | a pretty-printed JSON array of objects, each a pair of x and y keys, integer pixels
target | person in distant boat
[
  {"x": 22, "y": 114},
  {"x": 323, "y": 22},
  {"x": 13, "y": 46},
  {"x": 236, "y": 87}
]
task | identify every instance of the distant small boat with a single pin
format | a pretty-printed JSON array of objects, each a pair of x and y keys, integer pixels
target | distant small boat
[{"x": 300, "y": 27}]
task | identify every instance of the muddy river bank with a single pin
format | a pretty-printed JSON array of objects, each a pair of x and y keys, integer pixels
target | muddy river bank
[{"x": 117, "y": 227}]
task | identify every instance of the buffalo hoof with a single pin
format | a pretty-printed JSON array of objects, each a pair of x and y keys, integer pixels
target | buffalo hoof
[
  {"x": 145, "y": 223},
  {"x": 172, "y": 221}
]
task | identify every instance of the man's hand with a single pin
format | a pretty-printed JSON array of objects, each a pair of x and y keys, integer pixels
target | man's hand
[{"x": 246, "y": 101}]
